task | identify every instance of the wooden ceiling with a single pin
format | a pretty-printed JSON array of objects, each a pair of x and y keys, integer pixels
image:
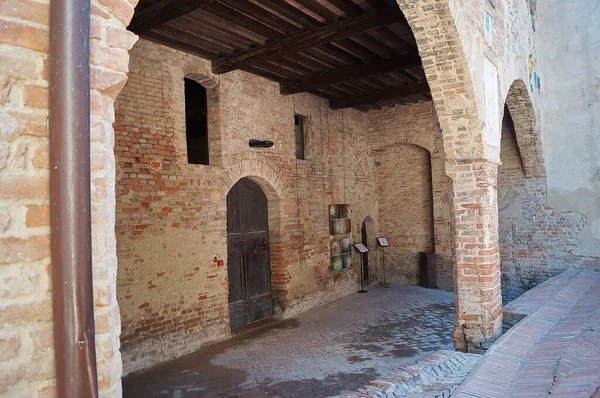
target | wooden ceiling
[{"x": 355, "y": 53}]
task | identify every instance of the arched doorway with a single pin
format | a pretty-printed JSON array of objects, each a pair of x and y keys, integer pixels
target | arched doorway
[
  {"x": 248, "y": 265},
  {"x": 368, "y": 233}
]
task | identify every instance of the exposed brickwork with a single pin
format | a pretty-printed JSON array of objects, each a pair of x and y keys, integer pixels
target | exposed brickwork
[
  {"x": 536, "y": 241},
  {"x": 474, "y": 196},
  {"x": 435, "y": 376},
  {"x": 171, "y": 215},
  {"x": 477, "y": 271},
  {"x": 417, "y": 125},
  {"x": 27, "y": 359},
  {"x": 448, "y": 35},
  {"x": 405, "y": 201}
]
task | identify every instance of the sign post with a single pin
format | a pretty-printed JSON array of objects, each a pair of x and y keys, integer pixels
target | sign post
[
  {"x": 362, "y": 249},
  {"x": 383, "y": 242}
]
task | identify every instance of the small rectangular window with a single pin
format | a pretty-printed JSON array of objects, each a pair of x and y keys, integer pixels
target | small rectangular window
[
  {"x": 196, "y": 122},
  {"x": 299, "y": 127}
]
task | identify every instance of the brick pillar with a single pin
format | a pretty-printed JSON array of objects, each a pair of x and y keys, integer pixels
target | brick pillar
[{"x": 478, "y": 298}]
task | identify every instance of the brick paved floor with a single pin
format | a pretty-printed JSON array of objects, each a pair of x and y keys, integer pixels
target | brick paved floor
[
  {"x": 554, "y": 351},
  {"x": 327, "y": 351}
]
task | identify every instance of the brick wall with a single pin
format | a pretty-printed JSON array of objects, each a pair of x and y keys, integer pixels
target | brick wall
[
  {"x": 403, "y": 170},
  {"x": 26, "y": 332},
  {"x": 171, "y": 216},
  {"x": 536, "y": 241},
  {"x": 405, "y": 208}
]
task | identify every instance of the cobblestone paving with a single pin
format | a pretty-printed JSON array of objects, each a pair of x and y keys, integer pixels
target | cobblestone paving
[
  {"x": 435, "y": 376},
  {"x": 327, "y": 351}
]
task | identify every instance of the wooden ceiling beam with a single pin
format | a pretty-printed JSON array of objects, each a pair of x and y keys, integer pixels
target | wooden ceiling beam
[
  {"x": 386, "y": 95},
  {"x": 354, "y": 72},
  {"x": 163, "y": 11},
  {"x": 312, "y": 38}
]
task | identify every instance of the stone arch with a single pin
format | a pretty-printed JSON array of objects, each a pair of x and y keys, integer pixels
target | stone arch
[
  {"x": 271, "y": 182},
  {"x": 527, "y": 130}
]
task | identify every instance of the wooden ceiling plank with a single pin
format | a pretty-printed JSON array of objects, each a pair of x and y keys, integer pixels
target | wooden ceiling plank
[
  {"x": 163, "y": 11},
  {"x": 292, "y": 13},
  {"x": 357, "y": 49},
  {"x": 386, "y": 95},
  {"x": 319, "y": 9},
  {"x": 256, "y": 70},
  {"x": 168, "y": 41},
  {"x": 261, "y": 16},
  {"x": 377, "y": 4},
  {"x": 207, "y": 32},
  {"x": 348, "y": 6},
  {"x": 312, "y": 38},
  {"x": 242, "y": 20},
  {"x": 351, "y": 73},
  {"x": 188, "y": 37},
  {"x": 224, "y": 24}
]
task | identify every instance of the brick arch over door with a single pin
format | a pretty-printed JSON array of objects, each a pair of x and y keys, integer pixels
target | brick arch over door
[
  {"x": 527, "y": 130},
  {"x": 273, "y": 184}
]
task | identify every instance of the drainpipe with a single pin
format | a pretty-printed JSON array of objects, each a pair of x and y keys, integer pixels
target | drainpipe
[{"x": 70, "y": 199}]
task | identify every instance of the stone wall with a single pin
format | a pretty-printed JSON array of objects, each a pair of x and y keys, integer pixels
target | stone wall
[
  {"x": 405, "y": 173},
  {"x": 171, "y": 215}
]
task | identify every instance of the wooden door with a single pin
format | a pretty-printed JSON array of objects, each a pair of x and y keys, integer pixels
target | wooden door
[
  {"x": 248, "y": 255},
  {"x": 365, "y": 259}
]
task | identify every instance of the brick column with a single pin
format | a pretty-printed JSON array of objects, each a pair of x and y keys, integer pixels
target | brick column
[{"x": 478, "y": 298}]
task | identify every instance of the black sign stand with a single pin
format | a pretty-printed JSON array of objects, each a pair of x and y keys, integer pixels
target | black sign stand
[
  {"x": 362, "y": 249},
  {"x": 383, "y": 243}
]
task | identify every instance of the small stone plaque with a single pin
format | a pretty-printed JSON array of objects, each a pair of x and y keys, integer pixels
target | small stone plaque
[
  {"x": 383, "y": 242},
  {"x": 361, "y": 248}
]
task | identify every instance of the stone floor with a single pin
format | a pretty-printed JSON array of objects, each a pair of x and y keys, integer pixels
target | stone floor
[
  {"x": 554, "y": 351},
  {"x": 327, "y": 351}
]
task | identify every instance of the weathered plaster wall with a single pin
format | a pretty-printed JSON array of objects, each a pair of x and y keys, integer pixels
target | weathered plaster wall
[
  {"x": 395, "y": 134},
  {"x": 569, "y": 63},
  {"x": 171, "y": 215},
  {"x": 536, "y": 241}
]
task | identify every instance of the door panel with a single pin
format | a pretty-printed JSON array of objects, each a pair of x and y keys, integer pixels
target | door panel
[{"x": 248, "y": 254}]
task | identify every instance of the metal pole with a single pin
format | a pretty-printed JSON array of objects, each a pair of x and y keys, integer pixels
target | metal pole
[
  {"x": 362, "y": 278},
  {"x": 70, "y": 199},
  {"x": 384, "y": 283}
]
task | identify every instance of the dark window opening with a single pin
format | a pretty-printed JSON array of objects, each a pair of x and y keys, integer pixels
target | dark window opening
[
  {"x": 299, "y": 127},
  {"x": 196, "y": 122}
]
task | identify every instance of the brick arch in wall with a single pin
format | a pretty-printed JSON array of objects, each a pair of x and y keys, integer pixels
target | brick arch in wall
[
  {"x": 476, "y": 268},
  {"x": 202, "y": 75},
  {"x": 447, "y": 73},
  {"x": 272, "y": 182},
  {"x": 527, "y": 129}
]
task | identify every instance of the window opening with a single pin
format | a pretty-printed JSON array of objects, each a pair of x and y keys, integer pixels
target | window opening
[
  {"x": 196, "y": 122},
  {"x": 299, "y": 127}
]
